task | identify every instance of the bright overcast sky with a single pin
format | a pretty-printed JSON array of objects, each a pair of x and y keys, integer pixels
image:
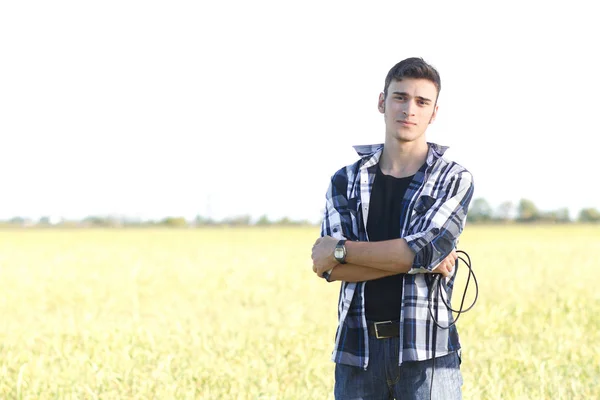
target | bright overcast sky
[{"x": 149, "y": 108}]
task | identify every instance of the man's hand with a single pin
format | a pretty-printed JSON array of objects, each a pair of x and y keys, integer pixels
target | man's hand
[
  {"x": 446, "y": 267},
  {"x": 322, "y": 255}
]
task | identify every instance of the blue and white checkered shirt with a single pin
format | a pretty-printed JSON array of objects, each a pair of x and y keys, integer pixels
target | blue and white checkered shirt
[{"x": 434, "y": 211}]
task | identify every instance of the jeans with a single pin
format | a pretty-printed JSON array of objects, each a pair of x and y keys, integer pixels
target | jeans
[{"x": 384, "y": 379}]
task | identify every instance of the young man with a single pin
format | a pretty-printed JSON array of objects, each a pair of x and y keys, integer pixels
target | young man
[{"x": 392, "y": 221}]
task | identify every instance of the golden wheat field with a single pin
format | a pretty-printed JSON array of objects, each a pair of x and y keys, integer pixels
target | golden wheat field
[{"x": 226, "y": 313}]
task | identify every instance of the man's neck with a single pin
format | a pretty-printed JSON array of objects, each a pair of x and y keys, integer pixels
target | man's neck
[{"x": 402, "y": 159}]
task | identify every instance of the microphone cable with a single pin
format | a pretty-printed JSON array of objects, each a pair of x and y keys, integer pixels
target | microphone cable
[{"x": 440, "y": 287}]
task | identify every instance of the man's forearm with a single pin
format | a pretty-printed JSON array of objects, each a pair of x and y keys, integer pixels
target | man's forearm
[
  {"x": 357, "y": 273},
  {"x": 389, "y": 255}
]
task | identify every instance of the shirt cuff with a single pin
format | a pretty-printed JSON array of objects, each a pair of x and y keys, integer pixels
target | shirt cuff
[{"x": 425, "y": 252}]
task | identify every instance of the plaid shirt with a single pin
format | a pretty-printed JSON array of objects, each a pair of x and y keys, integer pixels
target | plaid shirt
[{"x": 434, "y": 211}]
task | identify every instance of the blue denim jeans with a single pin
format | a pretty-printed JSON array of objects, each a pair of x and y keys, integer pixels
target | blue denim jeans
[{"x": 384, "y": 379}]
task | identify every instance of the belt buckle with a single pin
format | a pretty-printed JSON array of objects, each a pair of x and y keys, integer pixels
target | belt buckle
[{"x": 377, "y": 330}]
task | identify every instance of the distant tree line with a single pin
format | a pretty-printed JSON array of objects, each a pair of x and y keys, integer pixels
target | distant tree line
[
  {"x": 525, "y": 211},
  {"x": 480, "y": 212},
  {"x": 171, "y": 221}
]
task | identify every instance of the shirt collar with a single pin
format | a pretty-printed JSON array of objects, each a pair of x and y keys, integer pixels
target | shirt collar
[{"x": 372, "y": 152}]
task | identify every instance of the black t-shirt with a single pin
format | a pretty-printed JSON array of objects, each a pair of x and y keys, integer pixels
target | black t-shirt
[{"x": 383, "y": 296}]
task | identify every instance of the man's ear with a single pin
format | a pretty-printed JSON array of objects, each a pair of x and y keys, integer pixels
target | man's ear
[
  {"x": 381, "y": 103},
  {"x": 435, "y": 110}
]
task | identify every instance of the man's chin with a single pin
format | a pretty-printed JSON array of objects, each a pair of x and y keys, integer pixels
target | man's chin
[{"x": 405, "y": 135}]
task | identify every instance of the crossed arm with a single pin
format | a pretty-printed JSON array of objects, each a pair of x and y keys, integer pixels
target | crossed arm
[
  {"x": 428, "y": 251},
  {"x": 369, "y": 260}
]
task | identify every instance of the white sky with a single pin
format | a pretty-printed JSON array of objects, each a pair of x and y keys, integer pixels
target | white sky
[{"x": 150, "y": 108}]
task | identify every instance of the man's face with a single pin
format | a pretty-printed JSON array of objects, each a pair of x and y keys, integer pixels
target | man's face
[{"x": 409, "y": 108}]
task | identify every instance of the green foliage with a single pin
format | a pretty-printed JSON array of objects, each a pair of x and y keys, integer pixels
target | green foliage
[
  {"x": 94, "y": 221},
  {"x": 284, "y": 221},
  {"x": 174, "y": 222},
  {"x": 200, "y": 220},
  {"x": 589, "y": 215},
  {"x": 263, "y": 221},
  {"x": 557, "y": 216},
  {"x": 240, "y": 220},
  {"x": 44, "y": 221},
  {"x": 527, "y": 211},
  {"x": 17, "y": 221},
  {"x": 480, "y": 211}
]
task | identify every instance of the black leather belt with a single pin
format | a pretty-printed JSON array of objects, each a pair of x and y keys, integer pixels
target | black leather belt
[{"x": 384, "y": 329}]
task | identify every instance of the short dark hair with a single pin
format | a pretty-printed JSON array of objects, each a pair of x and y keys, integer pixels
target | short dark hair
[{"x": 413, "y": 67}]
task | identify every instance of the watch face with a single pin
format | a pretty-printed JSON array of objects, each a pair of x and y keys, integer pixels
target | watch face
[{"x": 338, "y": 253}]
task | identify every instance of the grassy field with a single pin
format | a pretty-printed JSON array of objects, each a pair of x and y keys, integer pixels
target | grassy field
[{"x": 238, "y": 314}]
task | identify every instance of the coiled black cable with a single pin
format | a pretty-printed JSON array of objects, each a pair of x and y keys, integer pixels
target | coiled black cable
[{"x": 432, "y": 290}]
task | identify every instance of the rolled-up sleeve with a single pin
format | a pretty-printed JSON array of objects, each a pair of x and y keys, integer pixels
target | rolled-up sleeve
[
  {"x": 441, "y": 224},
  {"x": 332, "y": 225}
]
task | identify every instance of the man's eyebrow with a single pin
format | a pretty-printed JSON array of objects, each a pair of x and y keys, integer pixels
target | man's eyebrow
[{"x": 418, "y": 97}]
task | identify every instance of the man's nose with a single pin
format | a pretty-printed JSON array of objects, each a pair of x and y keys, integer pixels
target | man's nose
[{"x": 409, "y": 109}]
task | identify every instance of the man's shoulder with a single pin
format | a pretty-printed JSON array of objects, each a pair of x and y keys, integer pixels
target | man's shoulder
[
  {"x": 366, "y": 153},
  {"x": 446, "y": 162},
  {"x": 347, "y": 172},
  {"x": 451, "y": 169}
]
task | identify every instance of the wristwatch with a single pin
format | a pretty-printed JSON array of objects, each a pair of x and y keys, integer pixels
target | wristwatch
[{"x": 340, "y": 252}]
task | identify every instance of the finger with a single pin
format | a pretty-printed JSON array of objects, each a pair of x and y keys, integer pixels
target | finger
[
  {"x": 452, "y": 268},
  {"x": 446, "y": 260},
  {"x": 454, "y": 260},
  {"x": 444, "y": 271}
]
